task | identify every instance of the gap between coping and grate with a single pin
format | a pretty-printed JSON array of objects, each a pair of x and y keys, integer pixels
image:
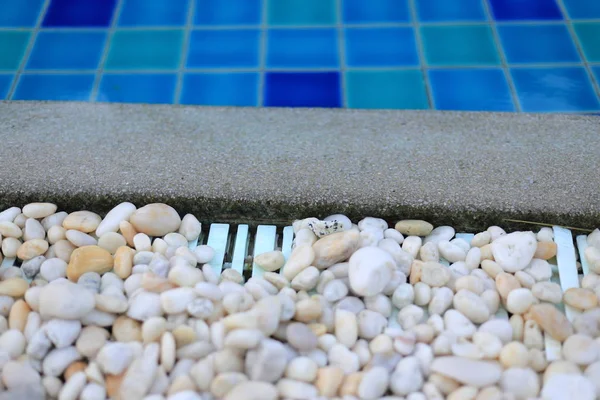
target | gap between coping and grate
[{"x": 236, "y": 246}]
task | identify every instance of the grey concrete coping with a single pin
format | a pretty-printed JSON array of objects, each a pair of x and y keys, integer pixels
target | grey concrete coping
[{"x": 255, "y": 165}]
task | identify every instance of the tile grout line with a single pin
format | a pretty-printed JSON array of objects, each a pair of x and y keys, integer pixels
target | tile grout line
[
  {"x": 504, "y": 62},
  {"x": 586, "y": 65},
  {"x": 28, "y": 49},
  {"x": 300, "y": 69},
  {"x": 185, "y": 46},
  {"x": 315, "y": 26},
  {"x": 262, "y": 54},
  {"x": 421, "y": 52},
  {"x": 341, "y": 53},
  {"x": 109, "y": 35}
]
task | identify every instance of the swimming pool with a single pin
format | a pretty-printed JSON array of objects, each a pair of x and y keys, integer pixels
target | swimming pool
[{"x": 488, "y": 55}]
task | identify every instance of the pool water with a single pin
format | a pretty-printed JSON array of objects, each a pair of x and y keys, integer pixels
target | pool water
[{"x": 489, "y": 55}]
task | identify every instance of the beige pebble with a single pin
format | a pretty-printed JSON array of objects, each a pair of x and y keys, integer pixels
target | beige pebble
[
  {"x": 123, "y": 262},
  {"x": 253, "y": 390},
  {"x": 505, "y": 283},
  {"x": 412, "y": 245},
  {"x": 126, "y": 329},
  {"x": 10, "y": 246},
  {"x": 13, "y": 287},
  {"x": 532, "y": 335},
  {"x": 128, "y": 232},
  {"x": 300, "y": 258},
  {"x": 270, "y": 261},
  {"x": 514, "y": 354},
  {"x": 155, "y": 219},
  {"x": 545, "y": 250},
  {"x": 443, "y": 383},
  {"x": 83, "y": 221},
  {"x": 551, "y": 320},
  {"x": 80, "y": 239},
  {"x": 471, "y": 306},
  {"x": 581, "y": 299},
  {"x": 19, "y": 312},
  {"x": 349, "y": 386},
  {"x": 89, "y": 259},
  {"x": 111, "y": 241},
  {"x": 39, "y": 210},
  {"x": 416, "y": 270},
  {"x": 517, "y": 324},
  {"x": 481, "y": 239},
  {"x": 63, "y": 250},
  {"x": 581, "y": 349},
  {"x": 487, "y": 254},
  {"x": 413, "y": 227},
  {"x": 519, "y": 301},
  {"x": 491, "y": 268},
  {"x": 547, "y": 291},
  {"x": 463, "y": 393},
  {"x": 31, "y": 249},
  {"x": 10, "y": 229},
  {"x": 56, "y": 233},
  {"x": 346, "y": 327},
  {"x": 308, "y": 310},
  {"x": 470, "y": 372},
  {"x": 434, "y": 274}
]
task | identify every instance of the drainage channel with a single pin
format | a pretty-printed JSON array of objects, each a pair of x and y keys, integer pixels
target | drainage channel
[{"x": 235, "y": 247}]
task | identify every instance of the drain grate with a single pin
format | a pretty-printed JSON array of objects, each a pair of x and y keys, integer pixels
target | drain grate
[{"x": 235, "y": 247}]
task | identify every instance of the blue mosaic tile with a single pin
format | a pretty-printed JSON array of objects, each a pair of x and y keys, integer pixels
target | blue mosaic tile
[
  {"x": 230, "y": 12},
  {"x": 375, "y": 11},
  {"x": 582, "y": 9},
  {"x": 79, "y": 13},
  {"x": 137, "y": 88},
  {"x": 537, "y": 44},
  {"x": 589, "y": 37},
  {"x": 301, "y": 12},
  {"x": 302, "y": 48},
  {"x": 302, "y": 89},
  {"x": 20, "y": 13},
  {"x": 153, "y": 13},
  {"x": 383, "y": 47},
  {"x": 54, "y": 50},
  {"x": 596, "y": 72},
  {"x": 54, "y": 87},
  {"x": 5, "y": 84},
  {"x": 224, "y": 48},
  {"x": 450, "y": 11},
  {"x": 470, "y": 89},
  {"x": 386, "y": 89},
  {"x": 554, "y": 89},
  {"x": 145, "y": 49},
  {"x": 227, "y": 89},
  {"x": 507, "y": 10}
]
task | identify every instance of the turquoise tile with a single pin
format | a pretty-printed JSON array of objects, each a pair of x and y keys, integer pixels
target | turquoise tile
[
  {"x": 301, "y": 12},
  {"x": 13, "y": 45},
  {"x": 459, "y": 45},
  {"x": 145, "y": 49},
  {"x": 386, "y": 89},
  {"x": 589, "y": 37}
]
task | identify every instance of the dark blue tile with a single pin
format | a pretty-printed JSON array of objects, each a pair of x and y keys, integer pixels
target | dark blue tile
[
  {"x": 137, "y": 88},
  {"x": 154, "y": 12},
  {"x": 454, "y": 11},
  {"x": 506, "y": 10},
  {"x": 380, "y": 47},
  {"x": 374, "y": 11},
  {"x": 554, "y": 89},
  {"x": 21, "y": 13},
  {"x": 302, "y": 89},
  {"x": 54, "y": 87},
  {"x": 224, "y": 48},
  {"x": 230, "y": 12},
  {"x": 5, "y": 83},
  {"x": 470, "y": 90},
  {"x": 583, "y": 9},
  {"x": 79, "y": 13},
  {"x": 231, "y": 89},
  {"x": 302, "y": 48},
  {"x": 66, "y": 50},
  {"x": 537, "y": 44}
]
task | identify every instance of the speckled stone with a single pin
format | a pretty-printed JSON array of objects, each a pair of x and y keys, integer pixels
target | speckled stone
[{"x": 273, "y": 177}]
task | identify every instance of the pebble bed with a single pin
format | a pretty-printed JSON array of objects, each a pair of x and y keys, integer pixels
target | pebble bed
[{"x": 120, "y": 307}]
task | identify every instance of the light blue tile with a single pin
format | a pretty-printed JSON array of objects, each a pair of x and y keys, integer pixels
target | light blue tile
[
  {"x": 228, "y": 12},
  {"x": 450, "y": 11},
  {"x": 238, "y": 48},
  {"x": 555, "y": 89},
  {"x": 226, "y": 89},
  {"x": 66, "y": 50},
  {"x": 375, "y": 11},
  {"x": 380, "y": 47},
  {"x": 470, "y": 90},
  {"x": 302, "y": 48},
  {"x": 301, "y": 12},
  {"x": 20, "y": 13},
  {"x": 54, "y": 87},
  {"x": 137, "y": 88},
  {"x": 154, "y": 12},
  {"x": 537, "y": 44}
]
